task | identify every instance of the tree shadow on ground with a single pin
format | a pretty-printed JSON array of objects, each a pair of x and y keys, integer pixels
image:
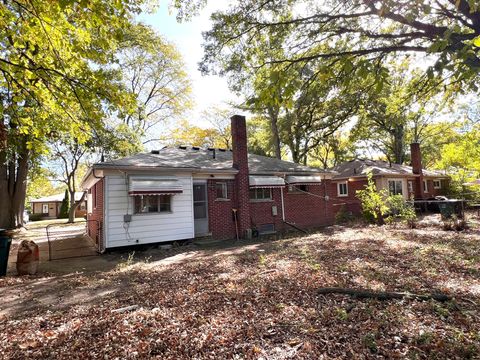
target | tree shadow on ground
[{"x": 260, "y": 299}]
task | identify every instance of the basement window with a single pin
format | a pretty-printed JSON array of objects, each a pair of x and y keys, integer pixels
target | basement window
[
  {"x": 261, "y": 194},
  {"x": 145, "y": 204}
]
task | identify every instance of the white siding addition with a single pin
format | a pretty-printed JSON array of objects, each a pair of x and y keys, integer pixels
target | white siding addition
[{"x": 150, "y": 227}]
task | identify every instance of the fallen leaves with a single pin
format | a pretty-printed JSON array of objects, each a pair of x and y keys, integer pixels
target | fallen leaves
[{"x": 264, "y": 304}]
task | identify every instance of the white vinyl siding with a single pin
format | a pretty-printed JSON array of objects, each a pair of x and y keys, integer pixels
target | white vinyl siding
[{"x": 148, "y": 227}]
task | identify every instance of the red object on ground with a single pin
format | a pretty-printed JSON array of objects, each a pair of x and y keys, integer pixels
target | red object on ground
[{"x": 27, "y": 258}]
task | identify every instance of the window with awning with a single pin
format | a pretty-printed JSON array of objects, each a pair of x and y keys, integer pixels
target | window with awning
[
  {"x": 266, "y": 181},
  {"x": 138, "y": 186},
  {"x": 304, "y": 179}
]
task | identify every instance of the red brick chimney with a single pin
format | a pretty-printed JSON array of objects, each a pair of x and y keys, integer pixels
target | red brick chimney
[
  {"x": 240, "y": 162},
  {"x": 416, "y": 156}
]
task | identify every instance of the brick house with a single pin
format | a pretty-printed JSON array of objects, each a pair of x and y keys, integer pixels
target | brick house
[
  {"x": 413, "y": 182},
  {"x": 184, "y": 192},
  {"x": 49, "y": 206}
]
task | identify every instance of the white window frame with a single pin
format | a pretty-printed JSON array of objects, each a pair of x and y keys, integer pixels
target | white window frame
[
  {"x": 410, "y": 186},
  {"x": 339, "y": 193},
  {"x": 89, "y": 202},
  {"x": 224, "y": 186},
  {"x": 159, "y": 211},
  {"x": 439, "y": 184},
  {"x": 256, "y": 191},
  {"x": 425, "y": 186},
  {"x": 45, "y": 206},
  {"x": 395, "y": 180}
]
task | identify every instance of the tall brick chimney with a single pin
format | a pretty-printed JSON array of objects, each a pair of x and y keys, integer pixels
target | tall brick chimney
[
  {"x": 416, "y": 156},
  {"x": 240, "y": 162}
]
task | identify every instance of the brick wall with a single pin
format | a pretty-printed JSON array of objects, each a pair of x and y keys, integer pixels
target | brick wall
[
  {"x": 304, "y": 210},
  {"x": 240, "y": 162},
  {"x": 435, "y": 192},
  {"x": 261, "y": 211},
  {"x": 307, "y": 210},
  {"x": 95, "y": 218},
  {"x": 350, "y": 203},
  {"x": 220, "y": 217}
]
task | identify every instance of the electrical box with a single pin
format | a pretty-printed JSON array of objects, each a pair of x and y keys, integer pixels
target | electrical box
[
  {"x": 127, "y": 218},
  {"x": 274, "y": 210}
]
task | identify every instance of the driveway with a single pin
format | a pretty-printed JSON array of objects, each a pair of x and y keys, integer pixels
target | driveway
[{"x": 66, "y": 241}]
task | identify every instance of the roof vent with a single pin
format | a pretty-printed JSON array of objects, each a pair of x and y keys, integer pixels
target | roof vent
[
  {"x": 156, "y": 152},
  {"x": 195, "y": 148},
  {"x": 182, "y": 147},
  {"x": 222, "y": 150}
]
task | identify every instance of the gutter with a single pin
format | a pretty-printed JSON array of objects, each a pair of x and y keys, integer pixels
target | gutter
[{"x": 159, "y": 168}]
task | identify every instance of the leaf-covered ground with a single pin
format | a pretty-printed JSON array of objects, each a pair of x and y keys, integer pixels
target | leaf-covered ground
[{"x": 260, "y": 301}]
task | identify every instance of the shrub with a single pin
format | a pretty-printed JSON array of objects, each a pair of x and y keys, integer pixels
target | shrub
[
  {"x": 35, "y": 217},
  {"x": 400, "y": 210},
  {"x": 343, "y": 216},
  {"x": 374, "y": 207},
  {"x": 378, "y": 206},
  {"x": 454, "y": 223},
  {"x": 63, "y": 214}
]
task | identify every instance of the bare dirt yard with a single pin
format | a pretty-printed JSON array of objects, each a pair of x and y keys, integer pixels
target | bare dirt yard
[{"x": 258, "y": 300}]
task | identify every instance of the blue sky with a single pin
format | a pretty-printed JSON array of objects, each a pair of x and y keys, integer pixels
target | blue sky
[{"x": 187, "y": 36}]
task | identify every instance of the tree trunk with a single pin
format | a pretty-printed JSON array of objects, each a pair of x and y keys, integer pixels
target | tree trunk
[
  {"x": 13, "y": 186},
  {"x": 74, "y": 206},
  {"x": 399, "y": 144},
  {"x": 383, "y": 295},
  {"x": 273, "y": 117}
]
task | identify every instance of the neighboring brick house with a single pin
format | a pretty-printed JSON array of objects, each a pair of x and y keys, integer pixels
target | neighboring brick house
[
  {"x": 413, "y": 182},
  {"x": 49, "y": 206},
  {"x": 186, "y": 192}
]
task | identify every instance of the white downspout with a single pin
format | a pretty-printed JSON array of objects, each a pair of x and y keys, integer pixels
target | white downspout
[{"x": 283, "y": 205}]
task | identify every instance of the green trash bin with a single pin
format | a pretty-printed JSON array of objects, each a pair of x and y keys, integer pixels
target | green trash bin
[
  {"x": 5, "y": 242},
  {"x": 450, "y": 208}
]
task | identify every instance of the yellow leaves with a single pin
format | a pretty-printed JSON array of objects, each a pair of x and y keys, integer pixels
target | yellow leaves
[
  {"x": 476, "y": 41},
  {"x": 188, "y": 134}
]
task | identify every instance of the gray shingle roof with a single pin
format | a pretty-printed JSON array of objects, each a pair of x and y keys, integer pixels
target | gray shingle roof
[
  {"x": 360, "y": 167},
  {"x": 202, "y": 159},
  {"x": 57, "y": 197}
]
